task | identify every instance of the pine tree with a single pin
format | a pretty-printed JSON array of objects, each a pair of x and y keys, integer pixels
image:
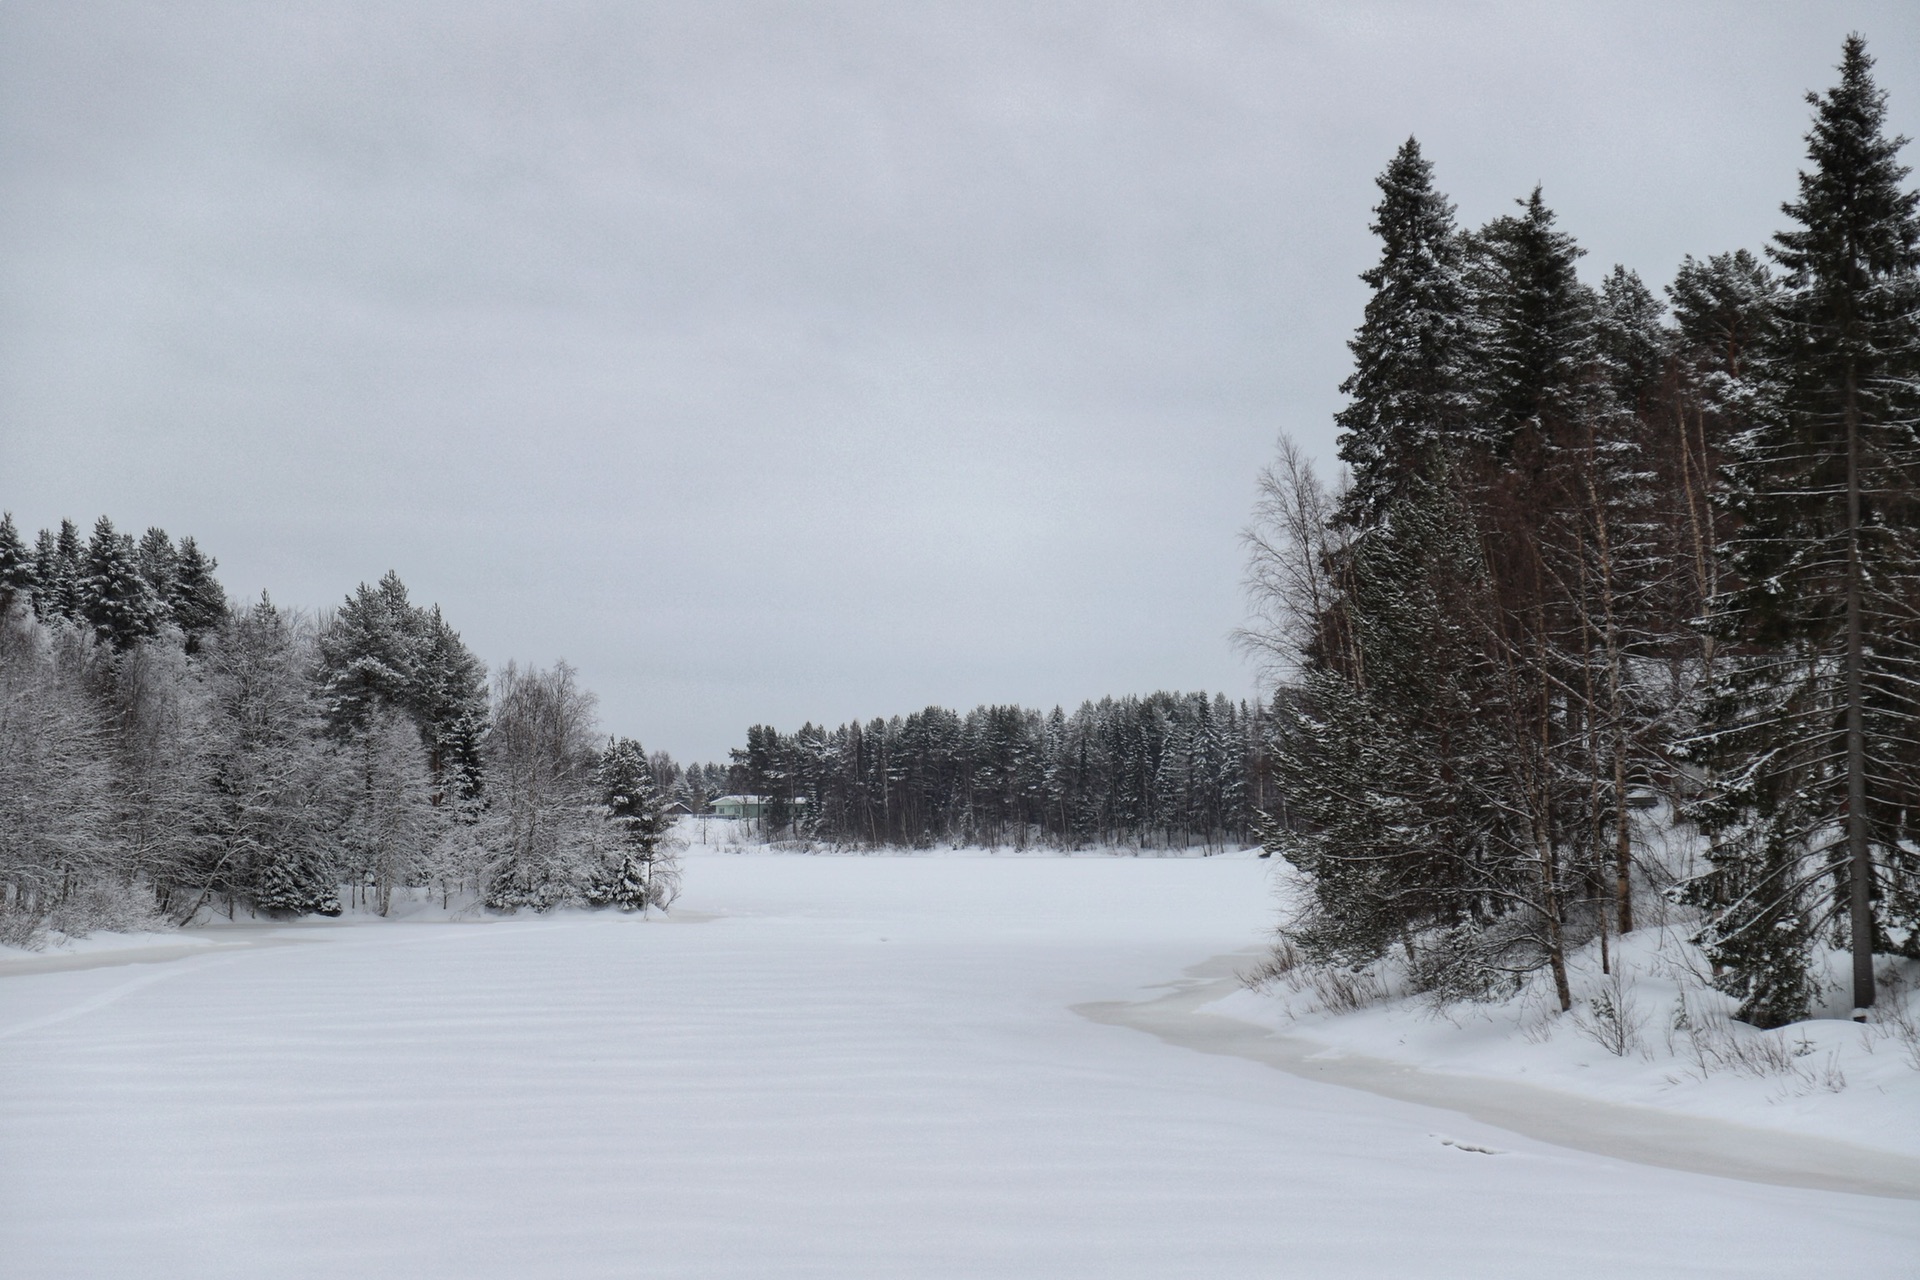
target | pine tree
[
  {"x": 114, "y": 598},
  {"x": 384, "y": 652},
  {"x": 1816, "y": 717},
  {"x": 159, "y": 565},
  {"x": 450, "y": 702},
  {"x": 17, "y": 578},
  {"x": 371, "y": 654},
  {"x": 198, "y": 602},
  {"x": 1535, "y": 326},
  {"x": 56, "y": 574},
  {"x": 636, "y": 872},
  {"x": 1405, "y": 395},
  {"x": 1633, "y": 339},
  {"x": 46, "y": 562},
  {"x": 1725, "y": 313}
]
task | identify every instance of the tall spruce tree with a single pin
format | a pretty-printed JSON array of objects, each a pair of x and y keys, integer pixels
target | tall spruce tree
[
  {"x": 16, "y": 566},
  {"x": 1815, "y": 725},
  {"x": 1724, "y": 314},
  {"x": 198, "y": 602},
  {"x": 1534, "y": 326},
  {"x": 159, "y": 564},
  {"x": 115, "y": 599},
  {"x": 56, "y": 573},
  {"x": 1404, "y": 395}
]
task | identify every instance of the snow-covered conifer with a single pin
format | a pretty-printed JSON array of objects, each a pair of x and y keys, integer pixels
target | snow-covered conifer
[
  {"x": 1405, "y": 393},
  {"x": 198, "y": 602},
  {"x": 57, "y": 566},
  {"x": 1534, "y": 326},
  {"x": 115, "y": 599},
  {"x": 16, "y": 567},
  {"x": 636, "y": 869},
  {"x": 1814, "y": 728},
  {"x": 159, "y": 563}
]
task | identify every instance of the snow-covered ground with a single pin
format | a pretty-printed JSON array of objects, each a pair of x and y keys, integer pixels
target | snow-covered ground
[
  {"x": 1649, "y": 1031},
  {"x": 819, "y": 1066}
]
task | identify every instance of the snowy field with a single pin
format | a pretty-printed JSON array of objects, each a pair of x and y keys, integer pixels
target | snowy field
[{"x": 820, "y": 1066}]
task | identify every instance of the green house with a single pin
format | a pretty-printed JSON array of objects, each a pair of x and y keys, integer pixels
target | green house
[
  {"x": 739, "y": 806},
  {"x": 752, "y": 808}
]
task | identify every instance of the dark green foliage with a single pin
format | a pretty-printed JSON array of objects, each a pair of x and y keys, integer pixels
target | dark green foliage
[
  {"x": 1535, "y": 326},
  {"x": 159, "y": 565},
  {"x": 1167, "y": 769},
  {"x": 57, "y": 568},
  {"x": 1405, "y": 395},
  {"x": 1389, "y": 757},
  {"x": 294, "y": 885},
  {"x": 371, "y": 654},
  {"x": 165, "y": 754},
  {"x": 1634, "y": 343},
  {"x": 125, "y": 592},
  {"x": 1760, "y": 930},
  {"x": 1724, "y": 311},
  {"x": 1642, "y": 550},
  {"x": 1840, "y": 355},
  {"x": 635, "y": 872}
]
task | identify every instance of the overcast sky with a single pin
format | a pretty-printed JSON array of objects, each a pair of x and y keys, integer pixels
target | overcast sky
[{"x": 774, "y": 362}]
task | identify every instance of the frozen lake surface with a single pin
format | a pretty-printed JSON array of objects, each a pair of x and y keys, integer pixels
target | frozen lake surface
[{"x": 824, "y": 1066}]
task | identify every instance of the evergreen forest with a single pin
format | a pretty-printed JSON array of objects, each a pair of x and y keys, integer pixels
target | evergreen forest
[
  {"x": 1602, "y": 550},
  {"x": 1169, "y": 770}
]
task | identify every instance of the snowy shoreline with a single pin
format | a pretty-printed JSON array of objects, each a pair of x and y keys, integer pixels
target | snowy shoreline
[{"x": 1201, "y": 1013}]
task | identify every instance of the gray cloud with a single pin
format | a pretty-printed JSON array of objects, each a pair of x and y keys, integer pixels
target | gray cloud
[{"x": 792, "y": 361}]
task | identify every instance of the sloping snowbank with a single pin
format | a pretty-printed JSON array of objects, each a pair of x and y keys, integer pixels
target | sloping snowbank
[{"x": 1649, "y": 1032}]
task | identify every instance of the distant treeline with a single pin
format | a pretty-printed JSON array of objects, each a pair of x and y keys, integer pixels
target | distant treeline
[
  {"x": 1169, "y": 769},
  {"x": 163, "y": 750}
]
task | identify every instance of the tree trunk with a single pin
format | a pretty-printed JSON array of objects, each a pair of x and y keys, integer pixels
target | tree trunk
[{"x": 1859, "y": 857}]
